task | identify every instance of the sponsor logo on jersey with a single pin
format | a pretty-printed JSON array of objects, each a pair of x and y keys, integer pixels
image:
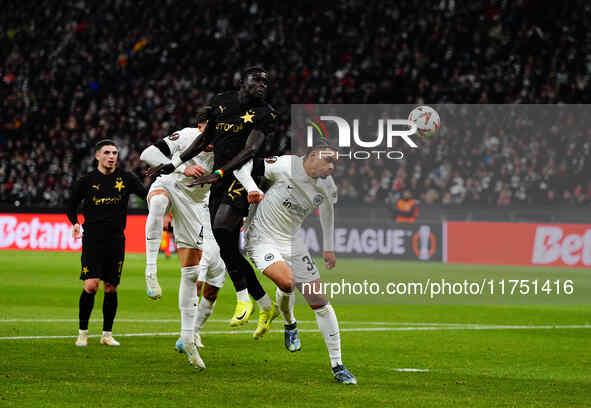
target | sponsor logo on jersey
[
  {"x": 106, "y": 200},
  {"x": 269, "y": 257},
  {"x": 295, "y": 207},
  {"x": 174, "y": 136},
  {"x": 229, "y": 127},
  {"x": 271, "y": 160}
]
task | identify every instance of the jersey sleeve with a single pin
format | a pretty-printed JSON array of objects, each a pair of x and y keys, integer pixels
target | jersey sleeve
[
  {"x": 266, "y": 121},
  {"x": 244, "y": 176},
  {"x": 76, "y": 196},
  {"x": 137, "y": 187},
  {"x": 326, "y": 213},
  {"x": 181, "y": 139},
  {"x": 277, "y": 167},
  {"x": 331, "y": 190}
]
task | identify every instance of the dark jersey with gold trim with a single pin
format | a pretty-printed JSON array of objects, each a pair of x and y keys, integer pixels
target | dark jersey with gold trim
[
  {"x": 105, "y": 199},
  {"x": 233, "y": 123}
]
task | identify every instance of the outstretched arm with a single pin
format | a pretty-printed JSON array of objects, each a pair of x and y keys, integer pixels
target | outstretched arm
[
  {"x": 198, "y": 145},
  {"x": 252, "y": 145}
]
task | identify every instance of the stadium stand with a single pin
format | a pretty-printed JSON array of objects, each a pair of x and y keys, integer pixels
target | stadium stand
[{"x": 89, "y": 70}]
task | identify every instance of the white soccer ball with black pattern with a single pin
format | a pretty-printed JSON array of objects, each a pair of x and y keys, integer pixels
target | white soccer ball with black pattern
[{"x": 427, "y": 120}]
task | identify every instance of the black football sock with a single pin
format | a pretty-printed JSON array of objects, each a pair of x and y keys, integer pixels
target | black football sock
[
  {"x": 85, "y": 306},
  {"x": 254, "y": 286},
  {"x": 230, "y": 253},
  {"x": 109, "y": 310}
]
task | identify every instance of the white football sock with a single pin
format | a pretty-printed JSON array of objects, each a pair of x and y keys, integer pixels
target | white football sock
[
  {"x": 203, "y": 312},
  {"x": 187, "y": 294},
  {"x": 265, "y": 302},
  {"x": 107, "y": 334},
  {"x": 329, "y": 327},
  {"x": 286, "y": 301},
  {"x": 242, "y": 296},
  {"x": 157, "y": 210}
]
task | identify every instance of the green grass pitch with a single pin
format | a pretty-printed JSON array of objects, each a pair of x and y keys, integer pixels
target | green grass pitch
[{"x": 496, "y": 355}]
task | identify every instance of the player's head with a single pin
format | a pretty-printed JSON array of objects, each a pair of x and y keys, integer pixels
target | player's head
[
  {"x": 407, "y": 195},
  {"x": 106, "y": 153},
  {"x": 254, "y": 82},
  {"x": 320, "y": 160},
  {"x": 203, "y": 114}
]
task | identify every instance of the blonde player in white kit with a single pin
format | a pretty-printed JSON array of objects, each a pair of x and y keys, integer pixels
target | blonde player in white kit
[
  {"x": 298, "y": 186},
  {"x": 190, "y": 222}
]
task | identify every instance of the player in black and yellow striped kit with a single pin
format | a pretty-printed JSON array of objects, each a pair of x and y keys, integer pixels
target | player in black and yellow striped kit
[{"x": 105, "y": 193}]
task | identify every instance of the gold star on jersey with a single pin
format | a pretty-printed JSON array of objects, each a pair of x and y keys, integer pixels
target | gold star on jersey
[
  {"x": 247, "y": 117},
  {"x": 119, "y": 184}
]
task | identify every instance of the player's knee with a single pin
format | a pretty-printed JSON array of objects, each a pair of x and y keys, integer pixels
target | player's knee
[
  {"x": 158, "y": 204},
  {"x": 109, "y": 288},
  {"x": 317, "y": 301},
  {"x": 91, "y": 285},
  {"x": 285, "y": 283},
  {"x": 229, "y": 252},
  {"x": 190, "y": 273}
]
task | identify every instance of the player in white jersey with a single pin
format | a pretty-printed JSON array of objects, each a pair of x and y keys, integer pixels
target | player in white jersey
[
  {"x": 298, "y": 186},
  {"x": 190, "y": 220}
]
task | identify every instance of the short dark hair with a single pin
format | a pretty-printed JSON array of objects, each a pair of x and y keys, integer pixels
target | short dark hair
[
  {"x": 321, "y": 146},
  {"x": 203, "y": 113},
  {"x": 104, "y": 142},
  {"x": 253, "y": 70}
]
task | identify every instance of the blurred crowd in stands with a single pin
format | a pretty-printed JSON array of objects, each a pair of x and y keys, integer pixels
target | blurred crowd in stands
[{"x": 73, "y": 72}]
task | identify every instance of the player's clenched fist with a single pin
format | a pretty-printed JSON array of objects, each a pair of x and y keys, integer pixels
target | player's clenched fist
[{"x": 255, "y": 196}]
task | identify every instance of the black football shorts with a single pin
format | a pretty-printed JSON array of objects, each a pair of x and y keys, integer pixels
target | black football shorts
[
  {"x": 102, "y": 258},
  {"x": 228, "y": 191}
]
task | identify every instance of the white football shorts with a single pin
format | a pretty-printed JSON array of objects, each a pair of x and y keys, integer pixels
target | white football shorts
[
  {"x": 296, "y": 255},
  {"x": 186, "y": 214}
]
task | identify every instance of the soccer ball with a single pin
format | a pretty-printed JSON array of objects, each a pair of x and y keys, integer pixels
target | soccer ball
[{"x": 426, "y": 119}]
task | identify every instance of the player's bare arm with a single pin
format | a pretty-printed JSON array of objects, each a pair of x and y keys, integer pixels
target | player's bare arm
[{"x": 253, "y": 143}]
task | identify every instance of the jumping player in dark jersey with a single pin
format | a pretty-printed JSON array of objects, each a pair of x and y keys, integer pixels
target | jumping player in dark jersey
[
  {"x": 237, "y": 127},
  {"x": 105, "y": 192}
]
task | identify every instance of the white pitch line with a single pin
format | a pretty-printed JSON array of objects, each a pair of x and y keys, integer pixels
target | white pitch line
[
  {"x": 225, "y": 321},
  {"x": 369, "y": 323},
  {"x": 354, "y": 329},
  {"x": 411, "y": 370}
]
